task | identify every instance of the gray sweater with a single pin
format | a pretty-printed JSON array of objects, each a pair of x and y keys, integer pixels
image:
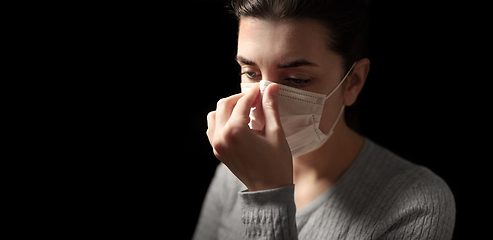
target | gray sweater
[{"x": 380, "y": 196}]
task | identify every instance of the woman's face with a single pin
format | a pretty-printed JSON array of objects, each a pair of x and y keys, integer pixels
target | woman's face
[{"x": 293, "y": 53}]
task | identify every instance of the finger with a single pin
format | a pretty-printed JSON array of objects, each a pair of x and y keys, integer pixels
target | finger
[
  {"x": 211, "y": 125},
  {"x": 241, "y": 111},
  {"x": 271, "y": 109},
  {"x": 225, "y": 108}
]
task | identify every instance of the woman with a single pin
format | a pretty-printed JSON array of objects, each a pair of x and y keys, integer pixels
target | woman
[{"x": 292, "y": 168}]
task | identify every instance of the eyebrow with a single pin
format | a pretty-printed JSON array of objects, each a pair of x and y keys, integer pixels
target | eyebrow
[
  {"x": 283, "y": 65},
  {"x": 296, "y": 63},
  {"x": 245, "y": 61}
]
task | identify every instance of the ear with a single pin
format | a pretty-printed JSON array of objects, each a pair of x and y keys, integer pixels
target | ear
[{"x": 356, "y": 81}]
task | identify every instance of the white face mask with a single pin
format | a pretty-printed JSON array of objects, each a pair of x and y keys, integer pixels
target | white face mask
[{"x": 300, "y": 113}]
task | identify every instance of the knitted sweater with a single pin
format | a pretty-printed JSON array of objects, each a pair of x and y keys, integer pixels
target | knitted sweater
[{"x": 380, "y": 196}]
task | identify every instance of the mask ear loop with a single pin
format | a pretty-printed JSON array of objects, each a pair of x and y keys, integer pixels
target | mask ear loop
[
  {"x": 343, "y": 79},
  {"x": 337, "y": 120}
]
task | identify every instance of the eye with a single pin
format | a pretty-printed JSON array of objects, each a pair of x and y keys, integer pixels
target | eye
[
  {"x": 250, "y": 75},
  {"x": 297, "y": 82}
]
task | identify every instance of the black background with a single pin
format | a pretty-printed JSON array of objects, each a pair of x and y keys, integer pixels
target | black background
[{"x": 421, "y": 101}]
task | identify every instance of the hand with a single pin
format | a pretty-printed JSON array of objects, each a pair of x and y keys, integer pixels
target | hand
[{"x": 260, "y": 159}]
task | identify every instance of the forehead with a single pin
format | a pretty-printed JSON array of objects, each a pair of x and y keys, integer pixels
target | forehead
[{"x": 289, "y": 38}]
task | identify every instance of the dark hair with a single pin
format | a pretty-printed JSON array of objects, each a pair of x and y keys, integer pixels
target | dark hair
[{"x": 346, "y": 20}]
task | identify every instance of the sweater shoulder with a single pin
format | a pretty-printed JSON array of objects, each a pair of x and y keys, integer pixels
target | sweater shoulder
[
  {"x": 410, "y": 183},
  {"x": 426, "y": 192},
  {"x": 414, "y": 180},
  {"x": 390, "y": 169},
  {"x": 415, "y": 201},
  {"x": 423, "y": 207}
]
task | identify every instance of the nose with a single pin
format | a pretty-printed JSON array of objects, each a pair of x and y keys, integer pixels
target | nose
[{"x": 273, "y": 79}]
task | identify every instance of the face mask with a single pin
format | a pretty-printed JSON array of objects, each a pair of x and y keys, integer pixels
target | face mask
[{"x": 300, "y": 112}]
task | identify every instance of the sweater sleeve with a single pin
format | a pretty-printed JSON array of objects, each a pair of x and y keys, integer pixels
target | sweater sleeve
[{"x": 269, "y": 214}]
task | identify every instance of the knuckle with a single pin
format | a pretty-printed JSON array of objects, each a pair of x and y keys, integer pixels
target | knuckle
[
  {"x": 218, "y": 147},
  {"x": 223, "y": 103},
  {"x": 276, "y": 130},
  {"x": 228, "y": 102},
  {"x": 211, "y": 115},
  {"x": 270, "y": 104},
  {"x": 233, "y": 133},
  {"x": 246, "y": 101},
  {"x": 229, "y": 136},
  {"x": 218, "y": 156},
  {"x": 210, "y": 135}
]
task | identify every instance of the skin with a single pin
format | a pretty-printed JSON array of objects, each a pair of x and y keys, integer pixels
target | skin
[{"x": 294, "y": 53}]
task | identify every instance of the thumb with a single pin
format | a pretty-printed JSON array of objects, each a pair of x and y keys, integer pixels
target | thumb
[{"x": 271, "y": 108}]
